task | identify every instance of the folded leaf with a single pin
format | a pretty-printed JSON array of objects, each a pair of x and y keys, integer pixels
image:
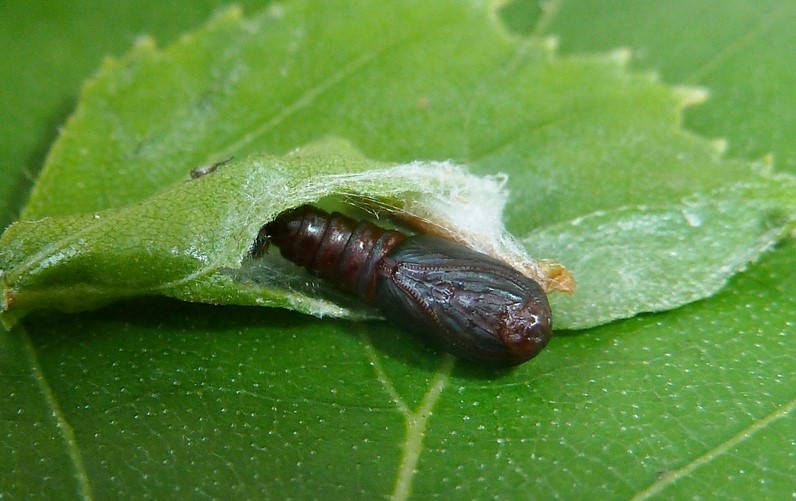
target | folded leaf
[{"x": 193, "y": 240}]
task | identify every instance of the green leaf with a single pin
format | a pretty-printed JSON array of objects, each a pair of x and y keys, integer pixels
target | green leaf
[
  {"x": 152, "y": 398},
  {"x": 214, "y": 80}
]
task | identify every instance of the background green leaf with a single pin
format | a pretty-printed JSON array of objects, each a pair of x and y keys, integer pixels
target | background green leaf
[{"x": 153, "y": 397}]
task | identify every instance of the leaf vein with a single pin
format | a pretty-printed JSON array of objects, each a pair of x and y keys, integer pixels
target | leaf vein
[
  {"x": 381, "y": 375},
  {"x": 416, "y": 430},
  {"x": 715, "y": 453},
  {"x": 67, "y": 433}
]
